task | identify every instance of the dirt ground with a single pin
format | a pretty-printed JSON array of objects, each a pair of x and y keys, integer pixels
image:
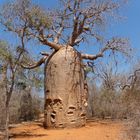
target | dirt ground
[{"x": 94, "y": 130}]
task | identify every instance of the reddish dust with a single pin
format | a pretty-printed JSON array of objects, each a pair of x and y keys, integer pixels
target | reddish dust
[{"x": 94, "y": 130}]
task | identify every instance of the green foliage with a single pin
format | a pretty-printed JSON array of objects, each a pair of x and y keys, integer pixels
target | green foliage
[
  {"x": 88, "y": 69},
  {"x": 33, "y": 78},
  {"x": 5, "y": 53},
  {"x": 23, "y": 15},
  {"x": 37, "y": 18},
  {"x": 23, "y": 78}
]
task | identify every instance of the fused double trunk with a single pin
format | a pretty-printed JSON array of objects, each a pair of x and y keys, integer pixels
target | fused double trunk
[{"x": 65, "y": 90}]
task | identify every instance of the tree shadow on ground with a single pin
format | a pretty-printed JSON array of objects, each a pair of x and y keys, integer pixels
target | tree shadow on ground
[{"x": 26, "y": 134}]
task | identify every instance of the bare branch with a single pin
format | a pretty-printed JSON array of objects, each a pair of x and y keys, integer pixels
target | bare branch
[
  {"x": 59, "y": 33},
  {"x": 61, "y": 28},
  {"x": 86, "y": 14},
  {"x": 45, "y": 53},
  {"x": 91, "y": 57},
  {"x": 133, "y": 79},
  {"x": 39, "y": 63},
  {"x": 115, "y": 45},
  {"x": 53, "y": 45}
]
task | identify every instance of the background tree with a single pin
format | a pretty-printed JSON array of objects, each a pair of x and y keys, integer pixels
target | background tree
[
  {"x": 11, "y": 76},
  {"x": 62, "y": 30},
  {"x": 9, "y": 63},
  {"x": 131, "y": 102},
  {"x": 104, "y": 94}
]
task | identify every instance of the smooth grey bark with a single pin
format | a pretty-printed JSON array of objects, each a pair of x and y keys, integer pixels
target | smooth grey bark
[{"x": 65, "y": 90}]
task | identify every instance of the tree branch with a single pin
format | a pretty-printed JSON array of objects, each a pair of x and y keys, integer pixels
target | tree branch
[
  {"x": 133, "y": 79},
  {"x": 45, "y": 41},
  {"x": 91, "y": 57},
  {"x": 59, "y": 33},
  {"x": 115, "y": 45},
  {"x": 61, "y": 24},
  {"x": 37, "y": 64}
]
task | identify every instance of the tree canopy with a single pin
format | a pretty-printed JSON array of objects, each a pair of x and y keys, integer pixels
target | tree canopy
[{"x": 75, "y": 22}]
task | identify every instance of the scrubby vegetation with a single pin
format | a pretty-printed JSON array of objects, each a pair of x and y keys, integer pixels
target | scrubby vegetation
[
  {"x": 118, "y": 97},
  {"x": 24, "y": 106}
]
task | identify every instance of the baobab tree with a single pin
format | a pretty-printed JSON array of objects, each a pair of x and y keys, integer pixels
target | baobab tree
[{"x": 62, "y": 30}]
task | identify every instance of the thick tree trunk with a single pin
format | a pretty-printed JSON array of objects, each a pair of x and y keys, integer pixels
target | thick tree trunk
[{"x": 65, "y": 90}]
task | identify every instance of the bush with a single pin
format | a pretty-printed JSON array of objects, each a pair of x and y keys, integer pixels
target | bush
[
  {"x": 30, "y": 107},
  {"x": 105, "y": 104},
  {"x": 24, "y": 106}
]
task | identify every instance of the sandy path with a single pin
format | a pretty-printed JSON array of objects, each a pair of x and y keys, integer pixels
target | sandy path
[{"x": 99, "y": 130}]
